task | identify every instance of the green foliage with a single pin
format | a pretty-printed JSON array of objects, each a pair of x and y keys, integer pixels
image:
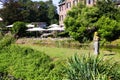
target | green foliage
[
  {"x": 83, "y": 21},
  {"x": 19, "y": 29},
  {"x": 1, "y": 35},
  {"x": 24, "y": 63},
  {"x": 6, "y": 40},
  {"x": 28, "y": 64},
  {"x": 29, "y": 11},
  {"x": 12, "y": 12},
  {"x": 58, "y": 72},
  {"x": 91, "y": 68},
  {"x": 108, "y": 29},
  {"x": 116, "y": 42},
  {"x": 107, "y": 8},
  {"x": 52, "y": 12},
  {"x": 79, "y": 23}
]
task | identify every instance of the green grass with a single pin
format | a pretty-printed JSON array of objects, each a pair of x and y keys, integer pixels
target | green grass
[
  {"x": 63, "y": 53},
  {"x": 55, "y": 52}
]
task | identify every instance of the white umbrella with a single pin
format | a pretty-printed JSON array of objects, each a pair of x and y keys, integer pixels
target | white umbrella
[
  {"x": 36, "y": 29},
  {"x": 9, "y": 26},
  {"x": 30, "y": 25},
  {"x": 53, "y": 25},
  {"x": 1, "y": 19},
  {"x": 56, "y": 29}
]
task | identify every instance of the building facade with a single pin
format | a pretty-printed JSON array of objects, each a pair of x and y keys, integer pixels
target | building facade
[{"x": 65, "y": 5}]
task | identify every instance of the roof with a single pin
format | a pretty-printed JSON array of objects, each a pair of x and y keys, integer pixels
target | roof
[{"x": 61, "y": 2}]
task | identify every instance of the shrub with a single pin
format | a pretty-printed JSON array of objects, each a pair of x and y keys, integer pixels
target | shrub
[
  {"x": 6, "y": 40},
  {"x": 91, "y": 68},
  {"x": 58, "y": 72},
  {"x": 24, "y": 62},
  {"x": 108, "y": 29},
  {"x": 19, "y": 29},
  {"x": 27, "y": 64}
]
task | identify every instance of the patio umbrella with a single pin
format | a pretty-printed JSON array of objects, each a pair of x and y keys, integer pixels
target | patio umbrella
[
  {"x": 53, "y": 25},
  {"x": 9, "y": 26},
  {"x": 1, "y": 19},
  {"x": 36, "y": 29},
  {"x": 56, "y": 29}
]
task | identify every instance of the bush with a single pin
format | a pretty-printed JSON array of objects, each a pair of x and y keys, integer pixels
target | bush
[
  {"x": 82, "y": 21},
  {"x": 108, "y": 29},
  {"x": 19, "y": 29},
  {"x": 58, "y": 72},
  {"x": 91, "y": 68},
  {"x": 24, "y": 62},
  {"x": 27, "y": 64},
  {"x": 6, "y": 40}
]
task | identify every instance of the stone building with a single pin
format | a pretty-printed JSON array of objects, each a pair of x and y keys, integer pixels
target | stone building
[{"x": 65, "y": 5}]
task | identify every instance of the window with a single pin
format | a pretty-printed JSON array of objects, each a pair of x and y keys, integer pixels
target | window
[
  {"x": 61, "y": 8},
  {"x": 62, "y": 17},
  {"x": 75, "y": 2},
  {"x": 68, "y": 5},
  {"x": 88, "y": 1}
]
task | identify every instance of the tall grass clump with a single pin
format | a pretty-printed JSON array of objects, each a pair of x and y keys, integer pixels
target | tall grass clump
[{"x": 91, "y": 68}]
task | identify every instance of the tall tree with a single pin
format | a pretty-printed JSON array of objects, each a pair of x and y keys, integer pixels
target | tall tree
[
  {"x": 107, "y": 8},
  {"x": 108, "y": 29},
  {"x": 11, "y": 12},
  {"x": 42, "y": 12},
  {"x": 28, "y": 11},
  {"x": 52, "y": 12},
  {"x": 82, "y": 21}
]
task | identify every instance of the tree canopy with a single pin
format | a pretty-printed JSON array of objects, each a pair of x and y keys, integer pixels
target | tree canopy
[
  {"x": 82, "y": 21},
  {"x": 28, "y": 11},
  {"x": 19, "y": 29}
]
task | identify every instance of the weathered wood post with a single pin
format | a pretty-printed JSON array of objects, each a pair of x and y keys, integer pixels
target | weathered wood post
[{"x": 96, "y": 43}]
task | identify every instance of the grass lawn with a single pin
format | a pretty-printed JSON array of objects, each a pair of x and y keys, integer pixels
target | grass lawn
[
  {"x": 63, "y": 53},
  {"x": 55, "y": 52}
]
